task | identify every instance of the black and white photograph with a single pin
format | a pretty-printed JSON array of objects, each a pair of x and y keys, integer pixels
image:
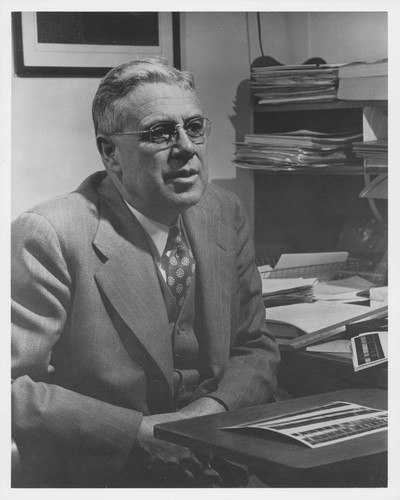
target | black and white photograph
[{"x": 197, "y": 231}]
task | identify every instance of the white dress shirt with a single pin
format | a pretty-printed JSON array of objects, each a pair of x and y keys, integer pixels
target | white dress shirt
[{"x": 157, "y": 233}]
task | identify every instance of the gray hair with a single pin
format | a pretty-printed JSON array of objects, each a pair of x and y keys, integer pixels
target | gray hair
[{"x": 109, "y": 109}]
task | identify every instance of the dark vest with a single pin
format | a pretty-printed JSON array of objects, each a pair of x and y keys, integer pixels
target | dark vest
[{"x": 184, "y": 342}]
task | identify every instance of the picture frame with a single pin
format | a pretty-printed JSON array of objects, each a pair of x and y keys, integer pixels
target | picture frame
[{"x": 35, "y": 58}]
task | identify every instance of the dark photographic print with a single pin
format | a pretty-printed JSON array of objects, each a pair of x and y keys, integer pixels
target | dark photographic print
[{"x": 89, "y": 43}]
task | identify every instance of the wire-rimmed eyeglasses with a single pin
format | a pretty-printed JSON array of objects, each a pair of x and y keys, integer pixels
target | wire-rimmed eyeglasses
[{"x": 197, "y": 129}]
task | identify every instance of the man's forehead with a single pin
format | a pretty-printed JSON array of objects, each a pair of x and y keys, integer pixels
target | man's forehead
[{"x": 154, "y": 98}]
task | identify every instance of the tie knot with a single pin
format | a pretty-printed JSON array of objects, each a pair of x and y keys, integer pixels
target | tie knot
[{"x": 175, "y": 238}]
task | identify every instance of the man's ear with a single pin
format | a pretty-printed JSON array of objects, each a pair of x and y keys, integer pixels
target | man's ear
[{"x": 108, "y": 152}]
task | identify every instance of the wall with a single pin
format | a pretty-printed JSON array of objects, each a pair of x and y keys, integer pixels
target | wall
[
  {"x": 337, "y": 37},
  {"x": 53, "y": 146},
  {"x": 219, "y": 49}
]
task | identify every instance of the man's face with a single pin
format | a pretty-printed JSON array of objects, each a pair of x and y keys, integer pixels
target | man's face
[{"x": 158, "y": 180}]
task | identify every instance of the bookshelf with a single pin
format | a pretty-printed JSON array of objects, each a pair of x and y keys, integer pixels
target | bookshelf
[{"x": 321, "y": 210}]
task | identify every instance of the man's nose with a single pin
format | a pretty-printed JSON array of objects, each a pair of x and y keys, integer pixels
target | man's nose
[{"x": 183, "y": 141}]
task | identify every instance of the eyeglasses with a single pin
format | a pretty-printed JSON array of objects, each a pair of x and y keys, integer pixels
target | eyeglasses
[{"x": 197, "y": 129}]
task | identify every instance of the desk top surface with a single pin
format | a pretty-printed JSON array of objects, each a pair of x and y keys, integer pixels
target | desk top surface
[
  {"x": 261, "y": 449},
  {"x": 305, "y": 372}
]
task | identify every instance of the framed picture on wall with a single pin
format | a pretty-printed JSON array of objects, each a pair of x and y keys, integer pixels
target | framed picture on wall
[{"x": 56, "y": 44}]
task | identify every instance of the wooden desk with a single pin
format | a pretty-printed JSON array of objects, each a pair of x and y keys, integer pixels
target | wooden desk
[
  {"x": 303, "y": 373},
  {"x": 286, "y": 463}
]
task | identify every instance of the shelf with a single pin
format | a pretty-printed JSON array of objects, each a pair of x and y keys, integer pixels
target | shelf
[
  {"x": 321, "y": 105},
  {"x": 342, "y": 170},
  {"x": 303, "y": 209}
]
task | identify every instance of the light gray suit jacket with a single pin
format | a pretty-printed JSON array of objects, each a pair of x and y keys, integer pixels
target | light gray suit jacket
[{"x": 87, "y": 302}]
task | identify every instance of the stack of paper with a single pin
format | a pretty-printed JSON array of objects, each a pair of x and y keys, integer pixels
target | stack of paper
[
  {"x": 364, "y": 81},
  {"x": 297, "y": 150},
  {"x": 295, "y": 83},
  {"x": 279, "y": 292},
  {"x": 375, "y": 153}
]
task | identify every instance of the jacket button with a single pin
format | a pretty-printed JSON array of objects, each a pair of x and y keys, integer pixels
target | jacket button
[{"x": 180, "y": 330}]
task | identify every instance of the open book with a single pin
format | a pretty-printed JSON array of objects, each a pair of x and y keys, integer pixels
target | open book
[{"x": 307, "y": 324}]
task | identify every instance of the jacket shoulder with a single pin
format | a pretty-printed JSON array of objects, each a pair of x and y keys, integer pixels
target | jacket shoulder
[
  {"x": 216, "y": 197},
  {"x": 220, "y": 194},
  {"x": 223, "y": 203},
  {"x": 70, "y": 211}
]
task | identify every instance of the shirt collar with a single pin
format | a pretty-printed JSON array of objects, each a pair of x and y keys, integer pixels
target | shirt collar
[{"x": 158, "y": 232}]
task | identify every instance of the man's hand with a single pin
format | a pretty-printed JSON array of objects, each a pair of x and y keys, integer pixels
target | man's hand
[
  {"x": 158, "y": 450},
  {"x": 162, "y": 451}
]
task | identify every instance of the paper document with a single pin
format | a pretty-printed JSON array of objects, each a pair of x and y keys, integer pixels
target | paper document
[
  {"x": 335, "y": 346},
  {"x": 345, "y": 290},
  {"x": 264, "y": 270},
  {"x": 324, "y": 425},
  {"x": 319, "y": 315},
  {"x": 308, "y": 265},
  {"x": 379, "y": 294},
  {"x": 310, "y": 259}
]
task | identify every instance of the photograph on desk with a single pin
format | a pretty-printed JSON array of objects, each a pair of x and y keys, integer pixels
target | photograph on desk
[
  {"x": 369, "y": 349},
  {"x": 329, "y": 424}
]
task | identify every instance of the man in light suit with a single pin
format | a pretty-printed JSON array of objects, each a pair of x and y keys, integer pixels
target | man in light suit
[{"x": 103, "y": 349}]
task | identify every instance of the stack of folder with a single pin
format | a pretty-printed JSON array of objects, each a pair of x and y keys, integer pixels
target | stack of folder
[
  {"x": 374, "y": 153},
  {"x": 285, "y": 291},
  {"x": 295, "y": 83},
  {"x": 364, "y": 81},
  {"x": 301, "y": 149}
]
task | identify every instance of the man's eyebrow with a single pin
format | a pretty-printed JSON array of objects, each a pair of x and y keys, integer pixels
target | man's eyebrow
[
  {"x": 154, "y": 121},
  {"x": 198, "y": 115},
  {"x": 160, "y": 120}
]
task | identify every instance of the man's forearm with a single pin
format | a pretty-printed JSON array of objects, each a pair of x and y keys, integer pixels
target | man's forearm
[{"x": 203, "y": 406}]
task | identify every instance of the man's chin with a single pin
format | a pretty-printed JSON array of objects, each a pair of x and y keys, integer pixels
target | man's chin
[
  {"x": 186, "y": 190},
  {"x": 186, "y": 200}
]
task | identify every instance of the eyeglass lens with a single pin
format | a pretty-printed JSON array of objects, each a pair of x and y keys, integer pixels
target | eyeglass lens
[{"x": 166, "y": 132}]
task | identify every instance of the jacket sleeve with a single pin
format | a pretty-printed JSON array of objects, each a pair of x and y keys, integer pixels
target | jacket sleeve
[
  {"x": 59, "y": 433},
  {"x": 251, "y": 375}
]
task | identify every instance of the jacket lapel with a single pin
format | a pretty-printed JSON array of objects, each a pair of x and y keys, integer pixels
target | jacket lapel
[
  {"x": 211, "y": 240},
  {"x": 129, "y": 278}
]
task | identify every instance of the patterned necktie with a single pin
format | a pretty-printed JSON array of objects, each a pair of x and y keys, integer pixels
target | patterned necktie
[{"x": 180, "y": 265}]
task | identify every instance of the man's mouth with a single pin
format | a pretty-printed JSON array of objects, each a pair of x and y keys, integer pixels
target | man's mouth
[{"x": 180, "y": 174}]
